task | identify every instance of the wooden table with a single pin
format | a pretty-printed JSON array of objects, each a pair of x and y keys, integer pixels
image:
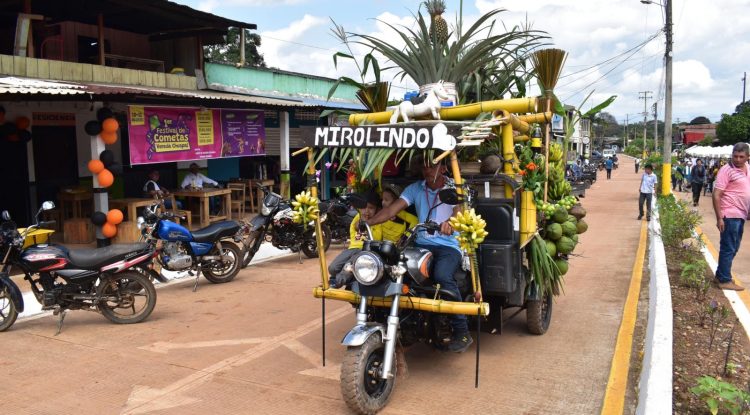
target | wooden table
[
  {"x": 130, "y": 205},
  {"x": 75, "y": 198},
  {"x": 203, "y": 195}
]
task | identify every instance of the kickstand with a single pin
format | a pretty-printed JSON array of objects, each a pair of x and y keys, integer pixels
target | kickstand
[
  {"x": 197, "y": 275},
  {"x": 299, "y": 254},
  {"x": 61, "y": 313}
]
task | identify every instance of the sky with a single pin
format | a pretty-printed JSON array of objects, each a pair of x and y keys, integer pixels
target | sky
[{"x": 604, "y": 40}]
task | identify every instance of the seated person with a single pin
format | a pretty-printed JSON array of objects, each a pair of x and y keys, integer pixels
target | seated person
[
  {"x": 152, "y": 189},
  {"x": 443, "y": 245},
  {"x": 337, "y": 276},
  {"x": 395, "y": 228},
  {"x": 196, "y": 179}
]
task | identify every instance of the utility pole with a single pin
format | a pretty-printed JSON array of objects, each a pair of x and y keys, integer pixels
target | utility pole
[
  {"x": 656, "y": 131},
  {"x": 627, "y": 137},
  {"x": 644, "y": 95},
  {"x": 666, "y": 165},
  {"x": 744, "y": 80}
]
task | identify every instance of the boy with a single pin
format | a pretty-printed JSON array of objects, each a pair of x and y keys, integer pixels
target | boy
[
  {"x": 337, "y": 277},
  {"x": 648, "y": 188},
  {"x": 395, "y": 228}
]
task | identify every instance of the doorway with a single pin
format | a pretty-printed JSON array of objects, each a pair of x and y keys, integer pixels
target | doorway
[{"x": 55, "y": 160}]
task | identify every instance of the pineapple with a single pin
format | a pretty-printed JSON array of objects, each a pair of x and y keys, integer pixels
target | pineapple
[{"x": 438, "y": 25}]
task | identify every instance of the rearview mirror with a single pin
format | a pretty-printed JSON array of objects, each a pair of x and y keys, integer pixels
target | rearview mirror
[
  {"x": 48, "y": 205},
  {"x": 450, "y": 197},
  {"x": 6, "y": 215}
]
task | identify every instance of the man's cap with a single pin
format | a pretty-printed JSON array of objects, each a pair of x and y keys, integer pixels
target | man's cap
[{"x": 194, "y": 165}]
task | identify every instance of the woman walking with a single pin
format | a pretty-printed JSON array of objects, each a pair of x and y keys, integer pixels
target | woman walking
[{"x": 697, "y": 180}]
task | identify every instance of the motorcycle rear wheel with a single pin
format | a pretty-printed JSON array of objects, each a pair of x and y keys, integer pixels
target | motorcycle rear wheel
[
  {"x": 310, "y": 244},
  {"x": 228, "y": 271},
  {"x": 8, "y": 312},
  {"x": 359, "y": 370},
  {"x": 128, "y": 287}
]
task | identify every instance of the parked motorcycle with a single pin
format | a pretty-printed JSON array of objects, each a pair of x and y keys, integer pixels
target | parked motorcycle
[
  {"x": 113, "y": 280},
  {"x": 339, "y": 214},
  {"x": 210, "y": 250},
  {"x": 275, "y": 224}
]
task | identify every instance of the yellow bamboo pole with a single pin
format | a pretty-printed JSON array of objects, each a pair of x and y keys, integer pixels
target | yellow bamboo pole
[
  {"x": 318, "y": 229},
  {"x": 528, "y": 216},
  {"x": 456, "y": 169},
  {"x": 460, "y": 112},
  {"x": 521, "y": 138},
  {"x": 546, "y": 145},
  {"x": 406, "y": 302},
  {"x": 508, "y": 156},
  {"x": 539, "y": 117}
]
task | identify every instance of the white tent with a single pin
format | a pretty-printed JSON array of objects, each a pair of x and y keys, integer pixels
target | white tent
[{"x": 712, "y": 152}]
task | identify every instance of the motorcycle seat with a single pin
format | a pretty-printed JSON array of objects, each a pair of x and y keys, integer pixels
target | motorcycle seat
[
  {"x": 97, "y": 257},
  {"x": 216, "y": 231}
]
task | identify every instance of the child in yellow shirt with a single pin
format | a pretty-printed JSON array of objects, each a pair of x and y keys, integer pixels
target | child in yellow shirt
[{"x": 395, "y": 228}]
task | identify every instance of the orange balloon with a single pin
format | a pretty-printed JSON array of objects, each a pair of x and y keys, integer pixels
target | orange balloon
[
  {"x": 105, "y": 178},
  {"x": 109, "y": 230},
  {"x": 110, "y": 125},
  {"x": 96, "y": 166},
  {"x": 23, "y": 123},
  {"x": 108, "y": 137},
  {"x": 115, "y": 216}
]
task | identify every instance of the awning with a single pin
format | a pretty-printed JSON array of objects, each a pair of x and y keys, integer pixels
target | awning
[
  {"x": 310, "y": 101},
  {"x": 14, "y": 85}
]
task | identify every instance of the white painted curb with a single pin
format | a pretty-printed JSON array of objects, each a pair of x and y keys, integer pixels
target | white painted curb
[{"x": 655, "y": 385}]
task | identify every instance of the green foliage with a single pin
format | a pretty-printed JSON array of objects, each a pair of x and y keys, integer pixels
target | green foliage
[
  {"x": 571, "y": 121},
  {"x": 735, "y": 127},
  {"x": 230, "y": 51},
  {"x": 677, "y": 221},
  {"x": 719, "y": 395},
  {"x": 635, "y": 147},
  {"x": 693, "y": 275}
]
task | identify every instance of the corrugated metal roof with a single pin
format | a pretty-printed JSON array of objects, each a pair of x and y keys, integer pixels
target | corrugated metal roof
[{"x": 14, "y": 85}]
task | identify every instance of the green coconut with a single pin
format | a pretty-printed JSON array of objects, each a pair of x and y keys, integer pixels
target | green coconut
[
  {"x": 573, "y": 219},
  {"x": 574, "y": 238},
  {"x": 551, "y": 248},
  {"x": 569, "y": 229},
  {"x": 562, "y": 265},
  {"x": 565, "y": 245},
  {"x": 560, "y": 215},
  {"x": 578, "y": 211},
  {"x": 554, "y": 231},
  {"x": 582, "y": 226}
]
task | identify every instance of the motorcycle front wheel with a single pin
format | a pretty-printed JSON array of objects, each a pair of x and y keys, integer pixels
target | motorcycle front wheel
[
  {"x": 310, "y": 244},
  {"x": 361, "y": 386},
  {"x": 250, "y": 248},
  {"x": 127, "y": 297},
  {"x": 222, "y": 272},
  {"x": 8, "y": 312}
]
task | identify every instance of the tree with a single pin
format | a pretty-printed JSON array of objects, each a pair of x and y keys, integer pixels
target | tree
[
  {"x": 735, "y": 127},
  {"x": 229, "y": 52},
  {"x": 608, "y": 124},
  {"x": 700, "y": 120}
]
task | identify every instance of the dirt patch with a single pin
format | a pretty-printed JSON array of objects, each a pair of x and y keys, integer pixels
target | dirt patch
[{"x": 702, "y": 334}]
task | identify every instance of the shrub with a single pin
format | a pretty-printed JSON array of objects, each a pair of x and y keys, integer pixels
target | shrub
[
  {"x": 677, "y": 221},
  {"x": 719, "y": 395}
]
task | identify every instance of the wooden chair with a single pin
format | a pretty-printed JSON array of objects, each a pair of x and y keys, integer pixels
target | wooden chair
[
  {"x": 238, "y": 199},
  {"x": 178, "y": 212}
]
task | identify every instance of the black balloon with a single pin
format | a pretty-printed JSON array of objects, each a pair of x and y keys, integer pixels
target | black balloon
[
  {"x": 98, "y": 218},
  {"x": 9, "y": 128},
  {"x": 107, "y": 157},
  {"x": 103, "y": 113},
  {"x": 115, "y": 168},
  {"x": 93, "y": 127}
]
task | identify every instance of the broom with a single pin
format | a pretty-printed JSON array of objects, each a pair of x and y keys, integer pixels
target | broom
[{"x": 548, "y": 64}]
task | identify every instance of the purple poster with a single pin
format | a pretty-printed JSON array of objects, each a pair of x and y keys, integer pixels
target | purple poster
[{"x": 243, "y": 133}]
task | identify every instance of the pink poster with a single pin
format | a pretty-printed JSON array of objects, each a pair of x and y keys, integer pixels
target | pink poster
[{"x": 161, "y": 134}]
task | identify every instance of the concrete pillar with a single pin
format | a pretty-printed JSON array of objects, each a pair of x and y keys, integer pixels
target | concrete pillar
[
  {"x": 284, "y": 154},
  {"x": 101, "y": 202}
]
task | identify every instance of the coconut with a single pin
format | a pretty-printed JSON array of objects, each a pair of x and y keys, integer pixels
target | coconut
[
  {"x": 573, "y": 219},
  {"x": 551, "y": 248},
  {"x": 569, "y": 229},
  {"x": 565, "y": 245},
  {"x": 490, "y": 164},
  {"x": 560, "y": 215},
  {"x": 578, "y": 211},
  {"x": 582, "y": 226},
  {"x": 562, "y": 265},
  {"x": 554, "y": 231}
]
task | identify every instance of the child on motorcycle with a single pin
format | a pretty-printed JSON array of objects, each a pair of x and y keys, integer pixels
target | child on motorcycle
[
  {"x": 394, "y": 229},
  {"x": 337, "y": 276}
]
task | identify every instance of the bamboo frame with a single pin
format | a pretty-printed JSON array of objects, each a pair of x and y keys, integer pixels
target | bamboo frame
[
  {"x": 405, "y": 302},
  {"x": 318, "y": 228}
]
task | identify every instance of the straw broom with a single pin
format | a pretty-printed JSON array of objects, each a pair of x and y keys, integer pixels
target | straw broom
[{"x": 548, "y": 64}]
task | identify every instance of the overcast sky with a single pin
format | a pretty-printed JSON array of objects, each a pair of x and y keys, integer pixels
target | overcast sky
[{"x": 711, "y": 44}]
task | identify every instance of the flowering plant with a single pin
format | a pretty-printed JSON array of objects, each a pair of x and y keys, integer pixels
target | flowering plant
[{"x": 531, "y": 170}]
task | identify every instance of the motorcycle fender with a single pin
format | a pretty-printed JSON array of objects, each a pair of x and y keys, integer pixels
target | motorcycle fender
[
  {"x": 359, "y": 334},
  {"x": 259, "y": 222},
  {"x": 13, "y": 290}
]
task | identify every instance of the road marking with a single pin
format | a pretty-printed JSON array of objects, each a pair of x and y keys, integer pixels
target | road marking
[
  {"x": 614, "y": 397},
  {"x": 739, "y": 300},
  {"x": 331, "y": 371},
  {"x": 144, "y": 399},
  {"x": 165, "y": 347}
]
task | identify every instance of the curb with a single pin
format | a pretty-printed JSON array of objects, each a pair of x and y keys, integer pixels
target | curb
[{"x": 655, "y": 385}]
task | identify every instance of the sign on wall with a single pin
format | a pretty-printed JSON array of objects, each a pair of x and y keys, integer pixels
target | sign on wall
[{"x": 162, "y": 134}]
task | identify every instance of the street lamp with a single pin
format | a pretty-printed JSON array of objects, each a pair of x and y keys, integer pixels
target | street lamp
[{"x": 666, "y": 188}]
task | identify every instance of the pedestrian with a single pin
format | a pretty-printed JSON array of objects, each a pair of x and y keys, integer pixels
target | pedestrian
[
  {"x": 731, "y": 197},
  {"x": 688, "y": 170},
  {"x": 697, "y": 180},
  {"x": 648, "y": 188},
  {"x": 710, "y": 178},
  {"x": 637, "y": 164},
  {"x": 608, "y": 165},
  {"x": 679, "y": 176}
]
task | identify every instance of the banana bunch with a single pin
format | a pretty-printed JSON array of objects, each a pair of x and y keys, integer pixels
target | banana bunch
[
  {"x": 558, "y": 190},
  {"x": 305, "y": 207},
  {"x": 470, "y": 227},
  {"x": 555, "y": 152}
]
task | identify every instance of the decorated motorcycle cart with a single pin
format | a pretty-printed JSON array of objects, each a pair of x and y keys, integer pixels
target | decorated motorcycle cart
[{"x": 515, "y": 229}]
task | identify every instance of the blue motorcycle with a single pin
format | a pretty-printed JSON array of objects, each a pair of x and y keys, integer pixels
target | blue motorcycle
[{"x": 210, "y": 250}]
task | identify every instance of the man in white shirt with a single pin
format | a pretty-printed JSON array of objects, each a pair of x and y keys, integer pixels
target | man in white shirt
[
  {"x": 195, "y": 179},
  {"x": 648, "y": 188}
]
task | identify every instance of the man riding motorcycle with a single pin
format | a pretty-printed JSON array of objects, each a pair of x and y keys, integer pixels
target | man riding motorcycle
[{"x": 444, "y": 245}]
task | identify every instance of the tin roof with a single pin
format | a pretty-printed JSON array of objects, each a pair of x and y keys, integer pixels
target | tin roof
[{"x": 16, "y": 85}]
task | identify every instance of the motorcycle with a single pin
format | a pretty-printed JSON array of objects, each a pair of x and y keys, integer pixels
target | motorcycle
[
  {"x": 275, "y": 224},
  {"x": 340, "y": 215},
  {"x": 113, "y": 280},
  {"x": 209, "y": 251}
]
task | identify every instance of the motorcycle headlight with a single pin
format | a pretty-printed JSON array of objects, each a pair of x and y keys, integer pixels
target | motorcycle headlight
[
  {"x": 368, "y": 268},
  {"x": 265, "y": 210}
]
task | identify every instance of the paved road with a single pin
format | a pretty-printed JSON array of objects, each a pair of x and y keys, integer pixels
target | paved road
[{"x": 253, "y": 345}]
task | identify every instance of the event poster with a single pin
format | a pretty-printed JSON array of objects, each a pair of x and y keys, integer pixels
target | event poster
[{"x": 162, "y": 134}]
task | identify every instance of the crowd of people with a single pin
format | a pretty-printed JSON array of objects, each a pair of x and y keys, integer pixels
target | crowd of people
[{"x": 696, "y": 175}]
